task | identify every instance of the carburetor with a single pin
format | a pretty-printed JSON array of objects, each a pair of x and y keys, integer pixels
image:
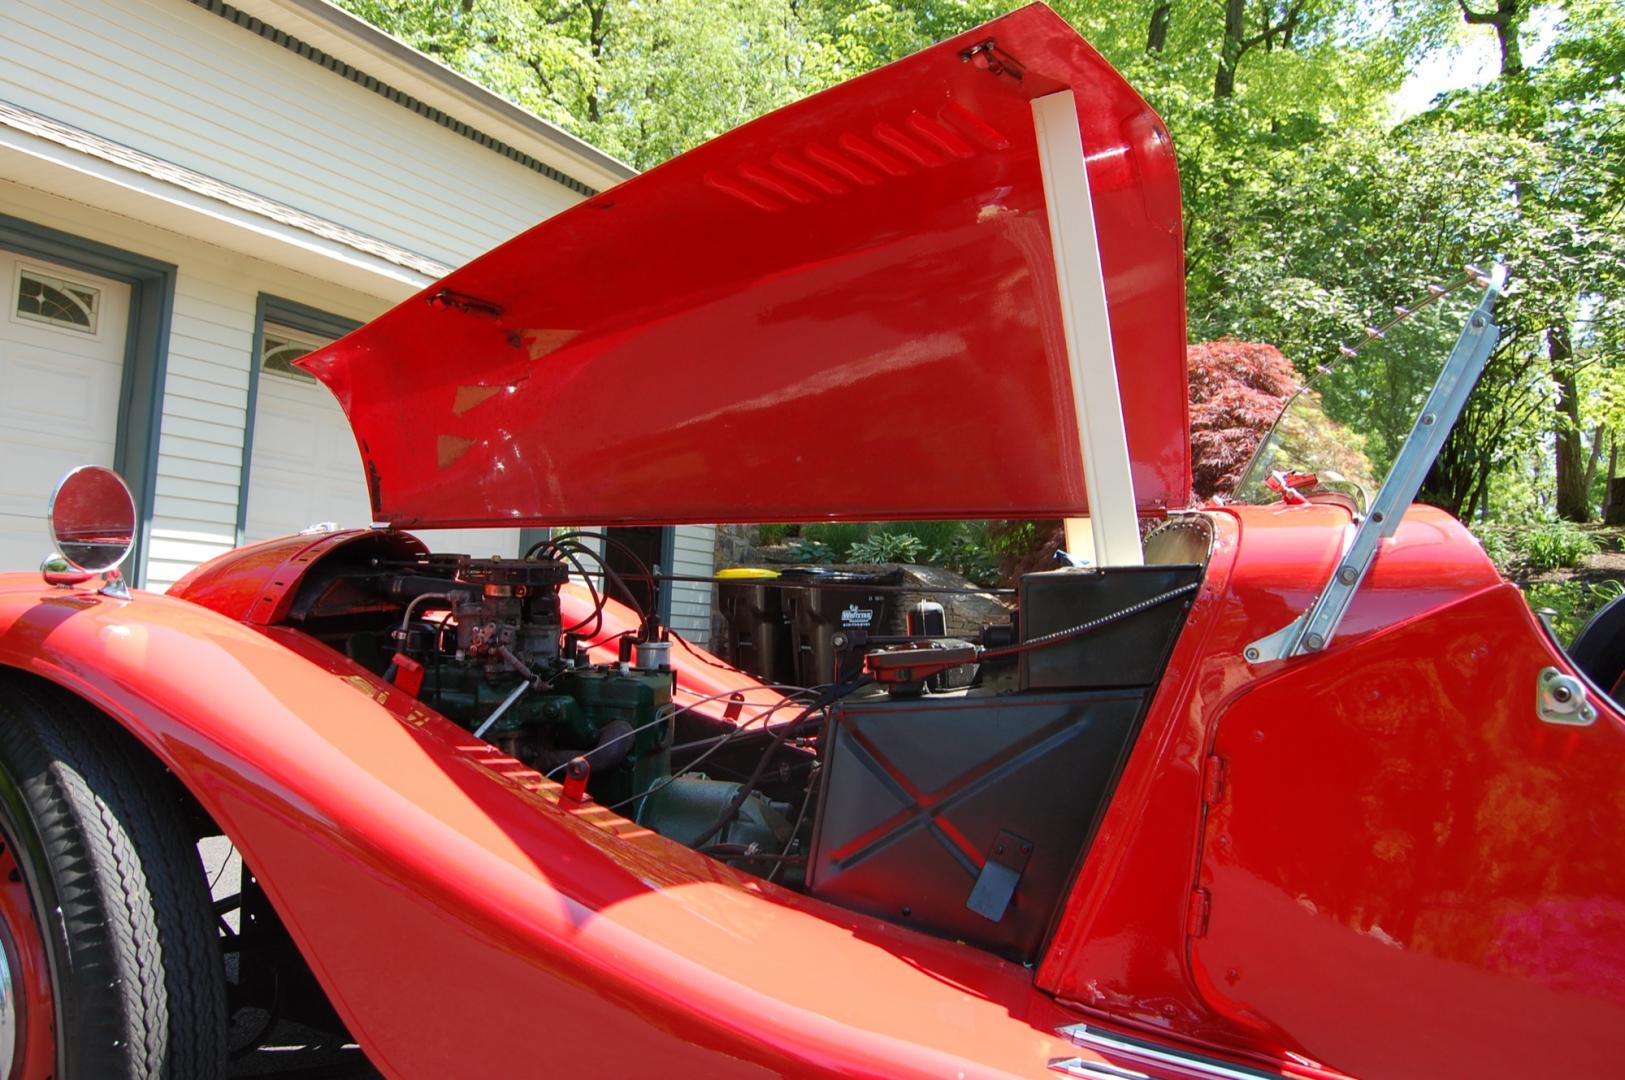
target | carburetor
[{"x": 510, "y": 605}]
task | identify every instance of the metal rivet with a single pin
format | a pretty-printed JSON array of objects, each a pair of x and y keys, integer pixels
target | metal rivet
[
  {"x": 1378, "y": 516},
  {"x": 1478, "y": 322},
  {"x": 1427, "y": 419}
]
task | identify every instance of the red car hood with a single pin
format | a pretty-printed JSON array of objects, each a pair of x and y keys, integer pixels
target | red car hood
[{"x": 846, "y": 309}]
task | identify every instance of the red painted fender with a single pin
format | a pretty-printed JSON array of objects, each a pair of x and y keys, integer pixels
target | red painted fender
[{"x": 464, "y": 923}]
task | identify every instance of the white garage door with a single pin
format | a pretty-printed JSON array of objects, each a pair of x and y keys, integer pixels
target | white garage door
[
  {"x": 306, "y": 469},
  {"x": 61, "y": 365}
]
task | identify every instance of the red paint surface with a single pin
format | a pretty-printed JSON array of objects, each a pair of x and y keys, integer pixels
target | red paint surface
[
  {"x": 34, "y": 1051},
  {"x": 412, "y": 863},
  {"x": 1452, "y": 650},
  {"x": 1479, "y": 841},
  {"x": 845, "y": 309}
]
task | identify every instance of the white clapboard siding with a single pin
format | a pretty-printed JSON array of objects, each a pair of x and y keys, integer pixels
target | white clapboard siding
[
  {"x": 178, "y": 82},
  {"x": 206, "y": 384},
  {"x": 693, "y": 555}
]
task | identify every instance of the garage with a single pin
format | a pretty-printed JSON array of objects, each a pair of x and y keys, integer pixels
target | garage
[
  {"x": 303, "y": 467},
  {"x": 62, "y": 345}
]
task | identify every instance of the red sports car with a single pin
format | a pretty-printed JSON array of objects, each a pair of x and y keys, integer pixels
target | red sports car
[{"x": 1295, "y": 785}]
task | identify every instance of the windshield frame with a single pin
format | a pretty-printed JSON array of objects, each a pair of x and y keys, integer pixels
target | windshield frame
[{"x": 1313, "y": 630}]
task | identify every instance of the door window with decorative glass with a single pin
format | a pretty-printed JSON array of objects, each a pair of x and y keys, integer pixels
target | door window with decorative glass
[
  {"x": 57, "y": 301},
  {"x": 281, "y": 345}
]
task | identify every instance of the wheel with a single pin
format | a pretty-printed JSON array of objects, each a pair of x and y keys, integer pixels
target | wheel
[{"x": 109, "y": 962}]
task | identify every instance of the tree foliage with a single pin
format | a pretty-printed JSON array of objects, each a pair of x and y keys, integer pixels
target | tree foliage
[
  {"x": 1237, "y": 389},
  {"x": 1308, "y": 208}
]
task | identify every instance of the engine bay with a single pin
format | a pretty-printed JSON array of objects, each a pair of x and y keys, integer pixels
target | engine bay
[{"x": 946, "y": 784}]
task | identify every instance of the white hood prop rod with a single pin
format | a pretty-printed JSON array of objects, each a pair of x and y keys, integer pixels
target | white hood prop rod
[{"x": 1113, "y": 522}]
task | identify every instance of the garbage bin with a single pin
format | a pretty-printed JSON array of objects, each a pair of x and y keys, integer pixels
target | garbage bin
[
  {"x": 819, "y": 604},
  {"x": 758, "y": 641}
]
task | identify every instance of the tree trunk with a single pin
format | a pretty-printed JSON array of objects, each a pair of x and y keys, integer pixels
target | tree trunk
[
  {"x": 1613, "y": 499},
  {"x": 1573, "y": 500},
  {"x": 1507, "y": 18},
  {"x": 1156, "y": 35},
  {"x": 1235, "y": 24}
]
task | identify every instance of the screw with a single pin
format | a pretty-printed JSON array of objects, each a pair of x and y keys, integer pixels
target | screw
[
  {"x": 1314, "y": 642},
  {"x": 1427, "y": 419},
  {"x": 1378, "y": 516},
  {"x": 1347, "y": 575},
  {"x": 1251, "y": 654},
  {"x": 1478, "y": 322},
  {"x": 1562, "y": 695}
]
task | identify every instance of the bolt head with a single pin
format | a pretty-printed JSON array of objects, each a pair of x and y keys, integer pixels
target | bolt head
[
  {"x": 1251, "y": 654},
  {"x": 1314, "y": 642}
]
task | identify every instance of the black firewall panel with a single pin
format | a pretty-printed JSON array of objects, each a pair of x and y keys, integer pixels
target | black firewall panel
[{"x": 920, "y": 796}]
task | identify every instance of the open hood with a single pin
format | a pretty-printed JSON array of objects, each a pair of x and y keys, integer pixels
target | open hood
[{"x": 846, "y": 309}]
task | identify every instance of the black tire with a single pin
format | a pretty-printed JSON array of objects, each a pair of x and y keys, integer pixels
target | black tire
[{"x": 99, "y": 831}]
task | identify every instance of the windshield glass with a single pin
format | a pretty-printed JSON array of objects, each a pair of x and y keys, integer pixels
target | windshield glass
[{"x": 1341, "y": 431}]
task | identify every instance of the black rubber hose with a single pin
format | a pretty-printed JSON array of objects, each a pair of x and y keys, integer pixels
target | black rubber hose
[{"x": 614, "y": 746}]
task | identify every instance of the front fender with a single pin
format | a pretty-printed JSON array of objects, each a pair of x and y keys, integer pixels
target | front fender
[{"x": 464, "y": 922}]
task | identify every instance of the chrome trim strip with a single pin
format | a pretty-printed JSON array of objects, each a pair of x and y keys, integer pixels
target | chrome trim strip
[
  {"x": 1094, "y": 1070},
  {"x": 1140, "y": 1051}
]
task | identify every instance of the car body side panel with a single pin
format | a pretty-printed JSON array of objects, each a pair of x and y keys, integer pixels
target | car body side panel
[
  {"x": 787, "y": 322},
  {"x": 464, "y": 923},
  {"x": 1120, "y": 948},
  {"x": 1454, "y": 873}
]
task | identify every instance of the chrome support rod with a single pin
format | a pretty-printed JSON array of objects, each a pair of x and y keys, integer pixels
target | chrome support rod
[{"x": 1314, "y": 629}]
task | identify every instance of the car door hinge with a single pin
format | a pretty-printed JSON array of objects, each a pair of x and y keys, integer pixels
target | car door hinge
[
  {"x": 1213, "y": 779},
  {"x": 1196, "y": 924}
]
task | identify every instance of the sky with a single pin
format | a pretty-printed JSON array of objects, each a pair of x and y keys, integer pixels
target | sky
[{"x": 1473, "y": 62}]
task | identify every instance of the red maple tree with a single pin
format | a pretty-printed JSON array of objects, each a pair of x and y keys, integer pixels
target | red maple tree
[{"x": 1237, "y": 389}]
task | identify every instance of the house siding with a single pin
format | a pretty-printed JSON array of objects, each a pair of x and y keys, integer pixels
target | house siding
[
  {"x": 183, "y": 86},
  {"x": 178, "y": 82},
  {"x": 693, "y": 555},
  {"x": 206, "y": 386}
]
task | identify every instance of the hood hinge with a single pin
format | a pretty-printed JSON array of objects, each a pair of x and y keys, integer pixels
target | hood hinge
[
  {"x": 1213, "y": 779},
  {"x": 1196, "y": 924}
]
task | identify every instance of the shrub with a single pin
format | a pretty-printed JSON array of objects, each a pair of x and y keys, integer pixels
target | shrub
[
  {"x": 809, "y": 551},
  {"x": 885, "y": 547},
  {"x": 1547, "y": 545},
  {"x": 1570, "y": 603},
  {"x": 1535, "y": 546}
]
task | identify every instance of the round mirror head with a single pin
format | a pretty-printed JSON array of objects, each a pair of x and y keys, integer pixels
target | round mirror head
[{"x": 93, "y": 518}]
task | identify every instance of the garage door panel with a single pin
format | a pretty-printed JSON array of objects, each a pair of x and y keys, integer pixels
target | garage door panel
[
  {"x": 59, "y": 400},
  {"x": 42, "y": 393}
]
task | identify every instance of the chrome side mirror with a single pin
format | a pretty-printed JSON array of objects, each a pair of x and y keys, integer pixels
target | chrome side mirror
[{"x": 92, "y": 520}]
